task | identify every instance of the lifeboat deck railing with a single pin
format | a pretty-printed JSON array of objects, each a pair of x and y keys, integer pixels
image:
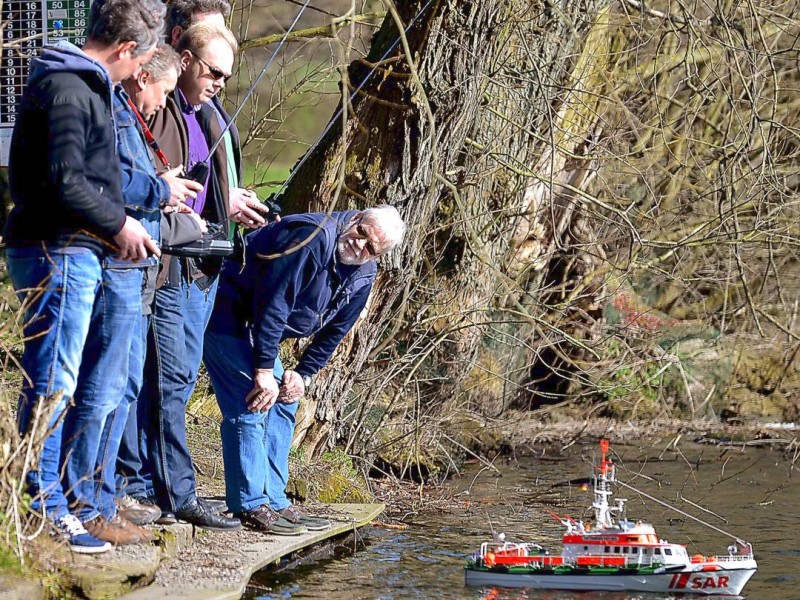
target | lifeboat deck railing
[{"x": 730, "y": 557}]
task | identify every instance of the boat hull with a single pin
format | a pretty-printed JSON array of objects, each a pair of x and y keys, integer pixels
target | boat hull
[{"x": 717, "y": 583}]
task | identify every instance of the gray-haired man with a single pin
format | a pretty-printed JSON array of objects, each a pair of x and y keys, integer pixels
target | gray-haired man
[
  {"x": 309, "y": 275},
  {"x": 137, "y": 100}
]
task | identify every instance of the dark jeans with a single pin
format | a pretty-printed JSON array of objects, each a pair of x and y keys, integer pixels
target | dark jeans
[
  {"x": 134, "y": 476},
  {"x": 175, "y": 348}
]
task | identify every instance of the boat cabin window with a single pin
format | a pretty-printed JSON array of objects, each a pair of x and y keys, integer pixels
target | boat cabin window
[
  {"x": 657, "y": 551},
  {"x": 624, "y": 549},
  {"x": 668, "y": 551},
  {"x": 606, "y": 549},
  {"x": 586, "y": 548},
  {"x": 616, "y": 549},
  {"x": 644, "y": 551},
  {"x": 634, "y": 551}
]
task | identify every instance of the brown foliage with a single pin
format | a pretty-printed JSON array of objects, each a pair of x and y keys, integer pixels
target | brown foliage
[{"x": 548, "y": 159}]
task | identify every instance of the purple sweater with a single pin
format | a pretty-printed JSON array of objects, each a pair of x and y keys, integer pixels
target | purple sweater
[{"x": 198, "y": 150}]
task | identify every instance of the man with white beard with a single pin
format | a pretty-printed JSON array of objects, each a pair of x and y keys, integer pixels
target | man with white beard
[{"x": 306, "y": 275}]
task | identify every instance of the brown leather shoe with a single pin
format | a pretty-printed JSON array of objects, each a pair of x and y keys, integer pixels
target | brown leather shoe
[
  {"x": 138, "y": 513},
  {"x": 267, "y": 520},
  {"x": 145, "y": 535},
  {"x": 118, "y": 531}
]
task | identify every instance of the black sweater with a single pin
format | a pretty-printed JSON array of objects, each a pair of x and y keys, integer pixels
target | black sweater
[{"x": 64, "y": 171}]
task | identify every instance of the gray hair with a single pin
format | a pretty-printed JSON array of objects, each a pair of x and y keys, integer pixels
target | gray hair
[
  {"x": 116, "y": 21},
  {"x": 164, "y": 60},
  {"x": 181, "y": 13},
  {"x": 389, "y": 221}
]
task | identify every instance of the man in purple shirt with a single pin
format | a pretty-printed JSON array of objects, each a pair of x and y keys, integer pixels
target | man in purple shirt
[
  {"x": 185, "y": 130},
  {"x": 198, "y": 149},
  {"x": 243, "y": 205}
]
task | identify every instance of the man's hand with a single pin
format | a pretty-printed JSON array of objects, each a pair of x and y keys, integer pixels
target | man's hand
[
  {"x": 244, "y": 207},
  {"x": 180, "y": 207},
  {"x": 264, "y": 393},
  {"x": 179, "y": 188},
  {"x": 201, "y": 222},
  {"x": 292, "y": 389},
  {"x": 134, "y": 242}
]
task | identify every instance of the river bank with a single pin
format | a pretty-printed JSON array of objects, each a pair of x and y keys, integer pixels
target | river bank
[
  {"x": 749, "y": 491},
  {"x": 182, "y": 556}
]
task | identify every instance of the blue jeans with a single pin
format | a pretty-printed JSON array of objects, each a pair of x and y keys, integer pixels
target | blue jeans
[
  {"x": 58, "y": 292},
  {"x": 255, "y": 446},
  {"x": 134, "y": 476},
  {"x": 93, "y": 426},
  {"x": 175, "y": 349}
]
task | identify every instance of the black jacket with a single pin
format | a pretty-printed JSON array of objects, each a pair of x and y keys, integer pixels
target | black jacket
[{"x": 64, "y": 170}]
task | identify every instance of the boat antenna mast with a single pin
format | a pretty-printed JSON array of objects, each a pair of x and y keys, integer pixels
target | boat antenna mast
[
  {"x": 603, "y": 479},
  {"x": 743, "y": 543},
  {"x": 602, "y": 491}
]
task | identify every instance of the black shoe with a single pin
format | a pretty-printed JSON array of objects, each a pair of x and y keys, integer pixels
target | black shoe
[
  {"x": 213, "y": 505},
  {"x": 198, "y": 515},
  {"x": 167, "y": 518}
]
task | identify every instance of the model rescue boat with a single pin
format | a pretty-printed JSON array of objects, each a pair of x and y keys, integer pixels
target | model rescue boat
[{"x": 616, "y": 554}]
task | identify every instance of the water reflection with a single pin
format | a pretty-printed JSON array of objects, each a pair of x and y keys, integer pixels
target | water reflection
[
  {"x": 754, "y": 491},
  {"x": 503, "y": 594}
]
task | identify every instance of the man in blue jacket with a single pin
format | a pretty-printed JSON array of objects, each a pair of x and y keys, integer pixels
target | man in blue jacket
[
  {"x": 144, "y": 194},
  {"x": 307, "y": 275},
  {"x": 68, "y": 216},
  {"x": 159, "y": 203}
]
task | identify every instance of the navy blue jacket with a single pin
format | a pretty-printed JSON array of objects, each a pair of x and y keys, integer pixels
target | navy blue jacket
[
  {"x": 306, "y": 292},
  {"x": 64, "y": 170}
]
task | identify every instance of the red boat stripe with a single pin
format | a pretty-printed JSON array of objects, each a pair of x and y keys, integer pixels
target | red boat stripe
[{"x": 577, "y": 539}]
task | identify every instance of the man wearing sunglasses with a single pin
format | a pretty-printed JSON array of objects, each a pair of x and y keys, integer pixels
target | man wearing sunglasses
[
  {"x": 243, "y": 205},
  {"x": 185, "y": 130},
  {"x": 308, "y": 275}
]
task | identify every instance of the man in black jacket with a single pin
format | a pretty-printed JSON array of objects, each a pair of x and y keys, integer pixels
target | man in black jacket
[{"x": 68, "y": 216}]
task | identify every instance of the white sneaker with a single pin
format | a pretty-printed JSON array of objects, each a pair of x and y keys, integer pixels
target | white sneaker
[{"x": 79, "y": 540}]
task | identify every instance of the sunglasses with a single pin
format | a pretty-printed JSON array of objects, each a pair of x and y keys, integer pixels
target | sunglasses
[{"x": 214, "y": 71}]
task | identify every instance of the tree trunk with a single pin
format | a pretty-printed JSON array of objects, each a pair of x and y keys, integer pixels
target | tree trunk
[{"x": 457, "y": 162}]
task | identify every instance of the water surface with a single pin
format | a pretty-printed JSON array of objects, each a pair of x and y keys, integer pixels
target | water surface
[{"x": 754, "y": 489}]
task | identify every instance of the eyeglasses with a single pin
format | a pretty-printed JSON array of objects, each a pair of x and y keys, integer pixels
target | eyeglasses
[
  {"x": 369, "y": 246},
  {"x": 213, "y": 71}
]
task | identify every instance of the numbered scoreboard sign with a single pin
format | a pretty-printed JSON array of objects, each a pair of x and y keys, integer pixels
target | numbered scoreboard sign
[{"x": 27, "y": 26}]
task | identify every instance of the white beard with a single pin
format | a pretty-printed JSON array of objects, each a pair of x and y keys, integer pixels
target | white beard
[{"x": 345, "y": 255}]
